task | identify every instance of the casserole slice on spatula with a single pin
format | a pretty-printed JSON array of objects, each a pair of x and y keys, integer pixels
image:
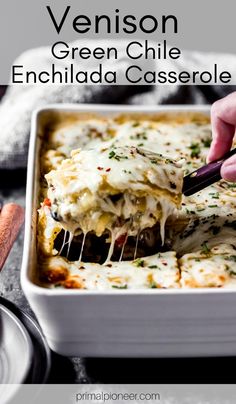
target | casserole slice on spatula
[{"x": 117, "y": 190}]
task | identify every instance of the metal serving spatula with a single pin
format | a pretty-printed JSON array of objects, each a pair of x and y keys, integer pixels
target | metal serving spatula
[{"x": 204, "y": 176}]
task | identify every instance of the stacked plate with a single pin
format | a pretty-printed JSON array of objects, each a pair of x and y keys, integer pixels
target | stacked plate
[{"x": 24, "y": 353}]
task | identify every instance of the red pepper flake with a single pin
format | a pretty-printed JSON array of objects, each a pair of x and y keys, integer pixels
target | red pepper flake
[
  {"x": 100, "y": 168},
  {"x": 121, "y": 240},
  {"x": 108, "y": 169},
  {"x": 47, "y": 202},
  {"x": 164, "y": 263}
]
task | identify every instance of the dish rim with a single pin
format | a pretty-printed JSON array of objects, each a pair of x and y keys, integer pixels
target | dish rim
[
  {"x": 26, "y": 282},
  {"x": 25, "y": 335}
]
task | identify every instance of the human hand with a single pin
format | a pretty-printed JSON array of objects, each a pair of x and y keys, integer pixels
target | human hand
[{"x": 223, "y": 120}]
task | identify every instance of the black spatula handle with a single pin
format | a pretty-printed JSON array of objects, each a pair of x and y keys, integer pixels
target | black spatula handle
[{"x": 204, "y": 176}]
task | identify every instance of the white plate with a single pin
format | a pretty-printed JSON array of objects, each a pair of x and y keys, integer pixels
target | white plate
[
  {"x": 16, "y": 353},
  {"x": 15, "y": 349}
]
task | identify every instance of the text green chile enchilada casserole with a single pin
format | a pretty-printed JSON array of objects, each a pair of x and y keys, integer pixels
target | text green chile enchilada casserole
[{"x": 111, "y": 211}]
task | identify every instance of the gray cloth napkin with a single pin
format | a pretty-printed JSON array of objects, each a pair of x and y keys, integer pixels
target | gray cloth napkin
[{"x": 19, "y": 101}]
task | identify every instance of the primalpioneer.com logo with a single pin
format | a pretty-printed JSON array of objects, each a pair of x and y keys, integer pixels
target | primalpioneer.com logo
[{"x": 103, "y": 397}]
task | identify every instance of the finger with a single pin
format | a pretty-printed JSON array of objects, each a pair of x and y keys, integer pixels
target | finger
[
  {"x": 223, "y": 134},
  {"x": 223, "y": 118},
  {"x": 228, "y": 169}
]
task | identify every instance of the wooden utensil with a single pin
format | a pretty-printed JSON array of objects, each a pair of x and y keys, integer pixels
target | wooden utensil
[
  {"x": 11, "y": 219},
  {"x": 204, "y": 176}
]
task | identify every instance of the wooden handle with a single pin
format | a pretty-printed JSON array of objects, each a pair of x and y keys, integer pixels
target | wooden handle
[{"x": 11, "y": 219}]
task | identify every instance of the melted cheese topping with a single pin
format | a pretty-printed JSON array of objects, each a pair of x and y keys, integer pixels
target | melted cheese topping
[
  {"x": 122, "y": 189},
  {"x": 157, "y": 271},
  {"x": 203, "y": 234},
  {"x": 214, "y": 267}
]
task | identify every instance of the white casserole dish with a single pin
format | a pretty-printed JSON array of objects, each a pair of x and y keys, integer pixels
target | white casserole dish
[{"x": 123, "y": 323}]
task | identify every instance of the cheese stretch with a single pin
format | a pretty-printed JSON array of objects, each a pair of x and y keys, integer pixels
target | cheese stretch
[{"x": 120, "y": 189}]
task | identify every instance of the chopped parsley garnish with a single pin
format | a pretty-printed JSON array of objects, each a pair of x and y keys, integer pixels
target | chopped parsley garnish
[
  {"x": 168, "y": 161},
  {"x": 212, "y": 206},
  {"x": 135, "y": 124},
  {"x": 195, "y": 149},
  {"x": 232, "y": 185},
  {"x": 141, "y": 135},
  {"x": 127, "y": 172},
  {"x": 214, "y": 195},
  {"x": 153, "y": 285},
  {"x": 231, "y": 258},
  {"x": 205, "y": 249},
  {"x": 112, "y": 154},
  {"x": 152, "y": 266},
  {"x": 119, "y": 287},
  {"x": 139, "y": 262},
  {"x": 231, "y": 272},
  {"x": 140, "y": 144},
  {"x": 206, "y": 142},
  {"x": 200, "y": 209},
  {"x": 190, "y": 211}
]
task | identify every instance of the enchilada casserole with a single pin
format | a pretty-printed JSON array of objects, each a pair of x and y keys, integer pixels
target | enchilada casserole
[{"x": 111, "y": 211}]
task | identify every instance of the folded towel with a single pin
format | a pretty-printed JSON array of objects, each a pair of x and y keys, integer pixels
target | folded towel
[{"x": 19, "y": 101}]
